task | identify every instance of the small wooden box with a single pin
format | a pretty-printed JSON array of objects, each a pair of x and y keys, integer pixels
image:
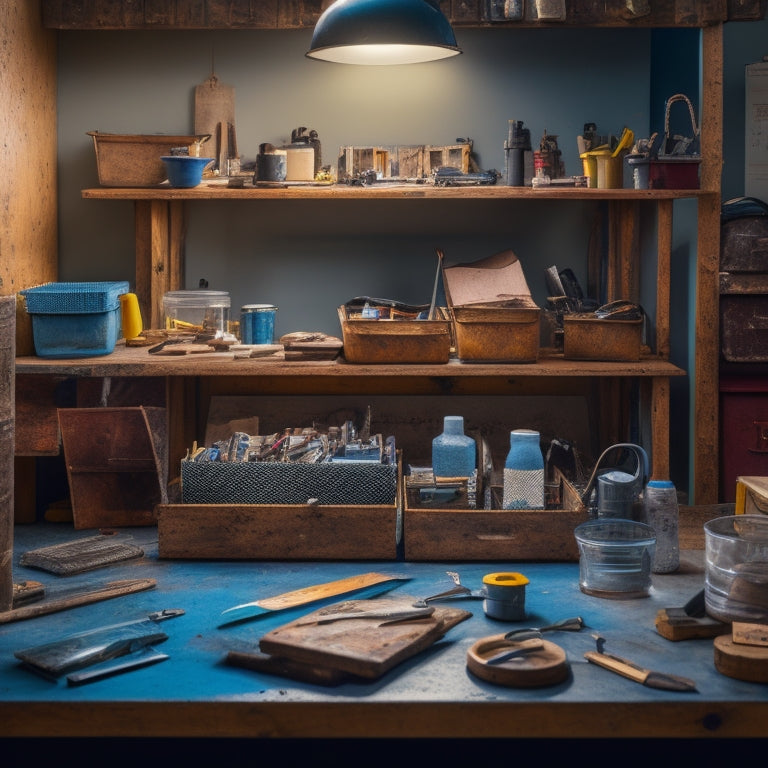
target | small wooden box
[
  {"x": 124, "y": 160},
  {"x": 751, "y": 496},
  {"x": 586, "y": 337},
  {"x": 395, "y": 341},
  {"x": 496, "y": 534},
  {"x": 277, "y": 532}
]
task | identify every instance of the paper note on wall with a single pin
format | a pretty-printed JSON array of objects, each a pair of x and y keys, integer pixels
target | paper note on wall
[{"x": 756, "y": 139}]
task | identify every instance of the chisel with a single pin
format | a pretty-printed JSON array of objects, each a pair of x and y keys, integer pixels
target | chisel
[{"x": 620, "y": 666}]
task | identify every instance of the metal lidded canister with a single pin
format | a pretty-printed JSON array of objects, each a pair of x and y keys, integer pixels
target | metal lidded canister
[{"x": 257, "y": 323}]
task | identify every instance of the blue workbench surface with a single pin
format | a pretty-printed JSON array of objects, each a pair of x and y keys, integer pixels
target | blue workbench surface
[{"x": 197, "y": 646}]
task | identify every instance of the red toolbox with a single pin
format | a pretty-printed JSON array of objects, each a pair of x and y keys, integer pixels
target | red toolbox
[{"x": 743, "y": 430}]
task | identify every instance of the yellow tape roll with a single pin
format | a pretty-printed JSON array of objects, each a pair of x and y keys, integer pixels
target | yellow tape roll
[{"x": 505, "y": 579}]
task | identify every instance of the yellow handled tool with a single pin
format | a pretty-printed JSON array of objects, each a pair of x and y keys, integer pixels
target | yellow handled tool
[{"x": 130, "y": 315}]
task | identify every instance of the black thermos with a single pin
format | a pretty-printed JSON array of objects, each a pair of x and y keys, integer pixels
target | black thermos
[{"x": 518, "y": 142}]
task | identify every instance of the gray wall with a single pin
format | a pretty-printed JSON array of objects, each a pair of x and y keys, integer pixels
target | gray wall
[{"x": 308, "y": 257}]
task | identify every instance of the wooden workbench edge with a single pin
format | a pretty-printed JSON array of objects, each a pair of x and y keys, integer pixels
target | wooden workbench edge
[{"x": 356, "y": 719}]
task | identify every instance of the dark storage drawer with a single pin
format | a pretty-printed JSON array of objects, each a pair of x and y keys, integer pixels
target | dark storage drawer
[
  {"x": 744, "y": 317},
  {"x": 744, "y": 236},
  {"x": 743, "y": 430},
  {"x": 744, "y": 245}
]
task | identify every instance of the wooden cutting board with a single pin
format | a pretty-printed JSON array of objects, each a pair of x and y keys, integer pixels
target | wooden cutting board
[
  {"x": 363, "y": 647},
  {"x": 214, "y": 113}
]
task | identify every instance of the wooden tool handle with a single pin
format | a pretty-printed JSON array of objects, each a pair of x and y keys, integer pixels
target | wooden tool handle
[
  {"x": 620, "y": 667},
  {"x": 321, "y": 591}
]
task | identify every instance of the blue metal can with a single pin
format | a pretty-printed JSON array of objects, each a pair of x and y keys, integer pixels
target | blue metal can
[{"x": 257, "y": 323}]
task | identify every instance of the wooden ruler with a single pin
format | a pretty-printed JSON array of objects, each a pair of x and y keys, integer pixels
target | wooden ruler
[{"x": 106, "y": 592}]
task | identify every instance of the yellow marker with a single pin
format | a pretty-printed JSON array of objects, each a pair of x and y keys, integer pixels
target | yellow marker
[{"x": 130, "y": 315}]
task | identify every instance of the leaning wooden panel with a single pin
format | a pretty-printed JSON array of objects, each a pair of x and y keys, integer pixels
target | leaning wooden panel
[
  {"x": 276, "y": 532},
  {"x": 116, "y": 465},
  {"x": 37, "y": 418}
]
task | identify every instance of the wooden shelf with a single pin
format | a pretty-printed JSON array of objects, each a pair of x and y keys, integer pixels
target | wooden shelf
[
  {"x": 161, "y": 216},
  {"x": 137, "y": 361},
  {"x": 215, "y": 190}
]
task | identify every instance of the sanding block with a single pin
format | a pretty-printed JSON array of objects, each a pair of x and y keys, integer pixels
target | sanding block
[{"x": 689, "y": 622}]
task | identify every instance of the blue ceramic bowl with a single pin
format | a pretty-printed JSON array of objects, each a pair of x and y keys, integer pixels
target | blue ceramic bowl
[{"x": 184, "y": 170}]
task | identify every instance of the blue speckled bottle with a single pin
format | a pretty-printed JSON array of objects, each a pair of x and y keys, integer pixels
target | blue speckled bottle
[
  {"x": 453, "y": 452},
  {"x": 524, "y": 471}
]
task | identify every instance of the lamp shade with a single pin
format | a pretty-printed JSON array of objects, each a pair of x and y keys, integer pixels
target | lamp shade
[{"x": 378, "y": 32}]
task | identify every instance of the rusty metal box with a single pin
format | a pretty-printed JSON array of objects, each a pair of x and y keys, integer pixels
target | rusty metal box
[
  {"x": 586, "y": 337},
  {"x": 395, "y": 341},
  {"x": 744, "y": 235},
  {"x": 497, "y": 334},
  {"x": 744, "y": 244},
  {"x": 494, "y": 317},
  {"x": 744, "y": 317}
]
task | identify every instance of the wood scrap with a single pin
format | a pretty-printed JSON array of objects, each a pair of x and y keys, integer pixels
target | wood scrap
[
  {"x": 306, "y": 345},
  {"x": 675, "y": 624},
  {"x": 81, "y": 555},
  {"x": 25, "y": 592},
  {"x": 105, "y": 592},
  {"x": 363, "y": 647}
]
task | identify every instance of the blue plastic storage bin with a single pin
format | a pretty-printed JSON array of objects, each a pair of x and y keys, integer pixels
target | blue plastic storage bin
[{"x": 75, "y": 319}]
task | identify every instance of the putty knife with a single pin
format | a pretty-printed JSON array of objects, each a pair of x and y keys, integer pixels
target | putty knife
[{"x": 373, "y": 583}]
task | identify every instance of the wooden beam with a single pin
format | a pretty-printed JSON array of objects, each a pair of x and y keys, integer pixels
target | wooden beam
[
  {"x": 705, "y": 444},
  {"x": 293, "y": 14}
]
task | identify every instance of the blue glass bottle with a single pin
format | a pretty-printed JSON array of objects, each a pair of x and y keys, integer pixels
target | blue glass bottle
[
  {"x": 453, "y": 452},
  {"x": 524, "y": 471}
]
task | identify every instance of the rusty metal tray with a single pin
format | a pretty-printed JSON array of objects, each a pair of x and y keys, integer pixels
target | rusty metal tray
[{"x": 396, "y": 341}]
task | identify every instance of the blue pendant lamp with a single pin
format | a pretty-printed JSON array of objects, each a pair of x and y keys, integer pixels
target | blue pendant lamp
[{"x": 378, "y": 32}]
